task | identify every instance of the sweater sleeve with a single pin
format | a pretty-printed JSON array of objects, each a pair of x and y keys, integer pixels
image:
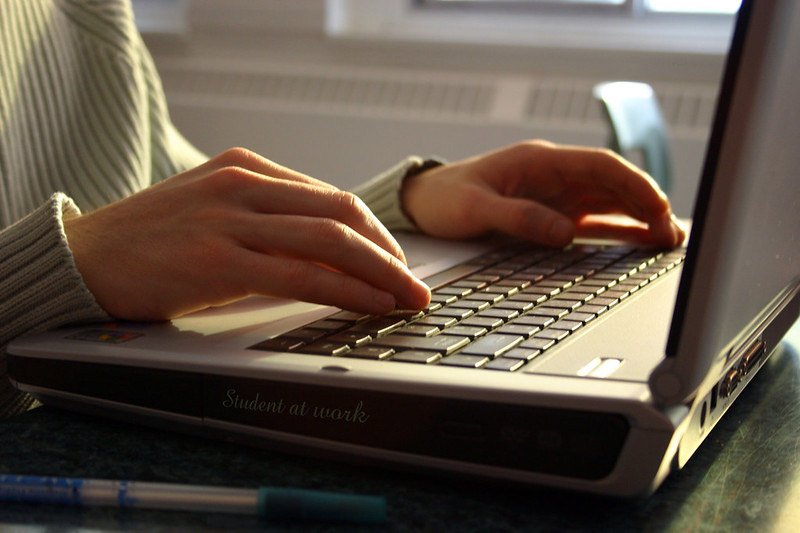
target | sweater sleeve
[
  {"x": 40, "y": 287},
  {"x": 382, "y": 193}
]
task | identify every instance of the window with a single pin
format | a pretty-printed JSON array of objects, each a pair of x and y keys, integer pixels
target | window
[
  {"x": 635, "y": 6},
  {"x": 160, "y": 16},
  {"x": 689, "y": 26}
]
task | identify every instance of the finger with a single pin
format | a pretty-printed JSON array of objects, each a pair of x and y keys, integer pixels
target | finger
[
  {"x": 335, "y": 245},
  {"x": 551, "y": 171},
  {"x": 621, "y": 228},
  {"x": 525, "y": 219},
  {"x": 274, "y": 196},
  {"x": 249, "y": 160},
  {"x": 297, "y": 279}
]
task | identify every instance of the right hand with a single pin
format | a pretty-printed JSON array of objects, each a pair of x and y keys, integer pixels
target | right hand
[{"x": 236, "y": 226}]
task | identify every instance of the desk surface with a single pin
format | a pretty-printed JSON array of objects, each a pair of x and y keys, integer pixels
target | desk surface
[{"x": 745, "y": 476}]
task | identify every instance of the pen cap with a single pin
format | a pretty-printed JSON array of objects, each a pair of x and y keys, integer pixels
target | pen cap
[{"x": 311, "y": 505}]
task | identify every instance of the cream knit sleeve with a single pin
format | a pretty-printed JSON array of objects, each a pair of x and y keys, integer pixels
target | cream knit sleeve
[
  {"x": 382, "y": 193},
  {"x": 40, "y": 287}
]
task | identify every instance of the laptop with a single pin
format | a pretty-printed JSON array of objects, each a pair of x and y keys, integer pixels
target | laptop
[{"x": 600, "y": 367}]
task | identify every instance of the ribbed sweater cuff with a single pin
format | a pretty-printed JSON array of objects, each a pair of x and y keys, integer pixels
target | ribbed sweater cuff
[
  {"x": 382, "y": 193},
  {"x": 40, "y": 286}
]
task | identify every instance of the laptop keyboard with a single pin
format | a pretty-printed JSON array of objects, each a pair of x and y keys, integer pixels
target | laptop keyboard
[{"x": 498, "y": 311}]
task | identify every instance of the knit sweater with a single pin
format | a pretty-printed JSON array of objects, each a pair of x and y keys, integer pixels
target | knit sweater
[{"x": 84, "y": 122}]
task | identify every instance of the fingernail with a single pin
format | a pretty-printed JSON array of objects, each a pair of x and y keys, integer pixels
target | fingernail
[
  {"x": 419, "y": 296},
  {"x": 680, "y": 233},
  {"x": 561, "y": 232},
  {"x": 675, "y": 235},
  {"x": 384, "y": 302}
]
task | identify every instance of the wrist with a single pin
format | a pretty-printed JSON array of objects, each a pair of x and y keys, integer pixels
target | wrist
[{"x": 408, "y": 185}]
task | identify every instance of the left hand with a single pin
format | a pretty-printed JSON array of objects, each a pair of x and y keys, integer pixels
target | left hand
[{"x": 544, "y": 193}]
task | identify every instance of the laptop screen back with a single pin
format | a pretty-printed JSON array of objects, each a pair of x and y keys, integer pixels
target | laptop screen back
[{"x": 744, "y": 250}]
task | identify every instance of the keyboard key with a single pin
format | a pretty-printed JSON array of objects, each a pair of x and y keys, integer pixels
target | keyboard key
[
  {"x": 507, "y": 365},
  {"x": 473, "y": 305},
  {"x": 492, "y": 345},
  {"x": 352, "y": 338},
  {"x": 443, "y": 299},
  {"x": 515, "y": 305},
  {"x": 458, "y": 292},
  {"x": 517, "y": 282},
  {"x": 487, "y": 297},
  {"x": 406, "y": 314},
  {"x": 547, "y": 292},
  {"x": 608, "y": 302},
  {"x": 501, "y": 290},
  {"x": 471, "y": 284},
  {"x": 553, "y": 312},
  {"x": 433, "y": 306},
  {"x": 595, "y": 286},
  {"x": 504, "y": 314},
  {"x": 537, "y": 272},
  {"x": 527, "y": 278},
  {"x": 496, "y": 271},
  {"x": 487, "y": 322},
  {"x": 348, "y": 316},
  {"x": 535, "y": 299},
  {"x": 306, "y": 334},
  {"x": 551, "y": 283},
  {"x": 581, "y": 317},
  {"x": 567, "y": 325},
  {"x": 414, "y": 356},
  {"x": 441, "y": 322},
  {"x": 628, "y": 287},
  {"x": 610, "y": 276},
  {"x": 552, "y": 334},
  {"x": 279, "y": 344},
  {"x": 379, "y": 353},
  {"x": 468, "y": 361},
  {"x": 616, "y": 293},
  {"x": 537, "y": 343},
  {"x": 508, "y": 282},
  {"x": 466, "y": 331},
  {"x": 533, "y": 320},
  {"x": 525, "y": 354},
  {"x": 577, "y": 295},
  {"x": 482, "y": 277},
  {"x": 453, "y": 312},
  {"x": 444, "y": 344},
  {"x": 326, "y": 348},
  {"x": 523, "y": 330},
  {"x": 593, "y": 308},
  {"x": 329, "y": 325},
  {"x": 567, "y": 280},
  {"x": 380, "y": 325},
  {"x": 418, "y": 330},
  {"x": 450, "y": 275},
  {"x": 560, "y": 303}
]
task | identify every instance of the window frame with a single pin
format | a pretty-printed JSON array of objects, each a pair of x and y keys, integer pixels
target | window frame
[{"x": 624, "y": 27}]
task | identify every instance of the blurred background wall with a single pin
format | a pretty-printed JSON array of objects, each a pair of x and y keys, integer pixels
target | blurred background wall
[{"x": 341, "y": 96}]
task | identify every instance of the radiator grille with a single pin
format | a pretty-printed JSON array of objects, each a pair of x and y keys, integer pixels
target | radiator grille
[{"x": 688, "y": 109}]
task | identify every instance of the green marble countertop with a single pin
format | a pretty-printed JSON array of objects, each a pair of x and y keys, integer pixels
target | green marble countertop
[{"x": 745, "y": 477}]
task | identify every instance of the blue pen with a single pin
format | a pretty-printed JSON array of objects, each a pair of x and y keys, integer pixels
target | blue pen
[{"x": 270, "y": 502}]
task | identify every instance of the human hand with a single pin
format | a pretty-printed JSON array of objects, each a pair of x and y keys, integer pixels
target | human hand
[
  {"x": 541, "y": 192},
  {"x": 236, "y": 226}
]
